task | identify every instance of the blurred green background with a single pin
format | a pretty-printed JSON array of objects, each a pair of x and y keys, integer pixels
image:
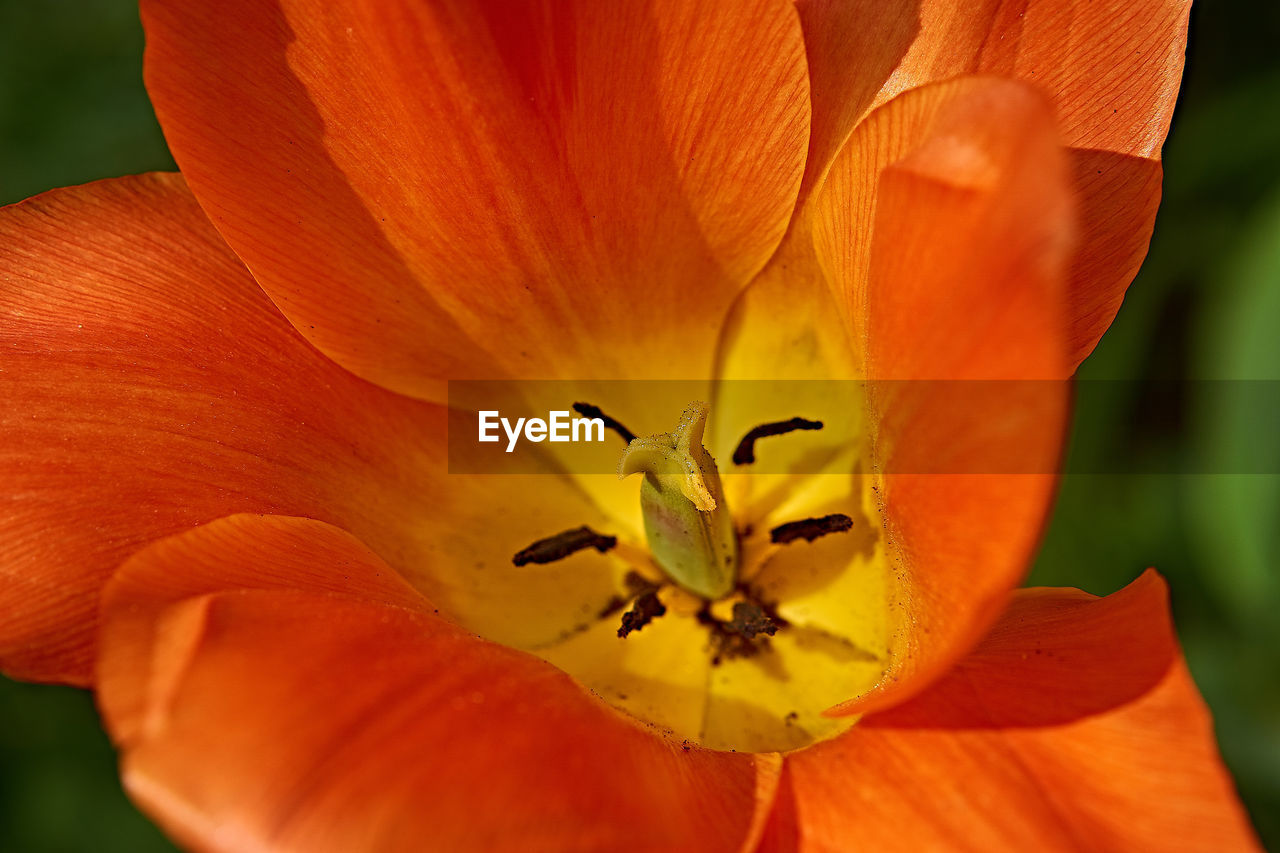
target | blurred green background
[{"x": 1206, "y": 306}]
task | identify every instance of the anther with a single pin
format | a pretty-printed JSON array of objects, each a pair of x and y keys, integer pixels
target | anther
[
  {"x": 647, "y": 608},
  {"x": 745, "y": 452},
  {"x": 589, "y": 411},
  {"x": 810, "y": 529},
  {"x": 563, "y": 544},
  {"x": 749, "y": 619},
  {"x": 739, "y": 637}
]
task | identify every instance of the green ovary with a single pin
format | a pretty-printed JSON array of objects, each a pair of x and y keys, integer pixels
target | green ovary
[{"x": 686, "y": 519}]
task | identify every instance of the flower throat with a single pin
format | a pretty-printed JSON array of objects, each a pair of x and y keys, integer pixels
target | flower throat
[{"x": 689, "y": 529}]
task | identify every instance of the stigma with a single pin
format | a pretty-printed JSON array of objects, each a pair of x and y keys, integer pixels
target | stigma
[{"x": 687, "y": 523}]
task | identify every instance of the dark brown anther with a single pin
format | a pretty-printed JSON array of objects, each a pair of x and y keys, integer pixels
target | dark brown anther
[
  {"x": 563, "y": 544},
  {"x": 746, "y": 450},
  {"x": 647, "y": 608},
  {"x": 589, "y": 411},
  {"x": 746, "y": 633},
  {"x": 749, "y": 619},
  {"x": 810, "y": 529}
]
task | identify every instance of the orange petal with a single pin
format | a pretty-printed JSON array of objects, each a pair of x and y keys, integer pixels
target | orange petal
[
  {"x": 477, "y": 189},
  {"x": 150, "y": 386},
  {"x": 1111, "y": 69},
  {"x": 293, "y": 712},
  {"x": 1118, "y": 197},
  {"x": 852, "y": 47},
  {"x": 1074, "y": 726},
  {"x": 945, "y": 225}
]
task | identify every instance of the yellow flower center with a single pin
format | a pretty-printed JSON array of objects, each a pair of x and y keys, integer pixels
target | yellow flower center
[{"x": 730, "y": 631}]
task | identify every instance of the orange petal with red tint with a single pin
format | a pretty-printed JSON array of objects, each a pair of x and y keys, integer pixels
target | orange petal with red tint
[
  {"x": 297, "y": 711},
  {"x": 945, "y": 225},
  {"x": 1111, "y": 69},
  {"x": 1073, "y": 726},
  {"x": 150, "y": 386},
  {"x": 482, "y": 189}
]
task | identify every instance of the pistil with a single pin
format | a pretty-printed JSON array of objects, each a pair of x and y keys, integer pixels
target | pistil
[{"x": 686, "y": 519}]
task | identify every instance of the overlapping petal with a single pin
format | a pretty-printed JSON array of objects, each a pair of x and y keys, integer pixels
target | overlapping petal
[
  {"x": 852, "y": 48},
  {"x": 1073, "y": 726},
  {"x": 271, "y": 683},
  {"x": 945, "y": 226},
  {"x": 597, "y": 181},
  {"x": 1111, "y": 70},
  {"x": 150, "y": 387}
]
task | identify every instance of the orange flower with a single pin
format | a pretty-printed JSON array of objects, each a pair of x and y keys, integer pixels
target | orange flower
[{"x": 228, "y": 507}]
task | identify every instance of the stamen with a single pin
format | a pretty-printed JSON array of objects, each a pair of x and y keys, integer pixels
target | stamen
[
  {"x": 647, "y": 608},
  {"x": 746, "y": 450},
  {"x": 563, "y": 544},
  {"x": 589, "y": 411},
  {"x": 739, "y": 636},
  {"x": 810, "y": 529},
  {"x": 750, "y": 619}
]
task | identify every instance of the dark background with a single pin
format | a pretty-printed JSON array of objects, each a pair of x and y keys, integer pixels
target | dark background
[{"x": 1206, "y": 306}]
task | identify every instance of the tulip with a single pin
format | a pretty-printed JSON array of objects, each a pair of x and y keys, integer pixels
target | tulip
[{"x": 229, "y": 507}]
